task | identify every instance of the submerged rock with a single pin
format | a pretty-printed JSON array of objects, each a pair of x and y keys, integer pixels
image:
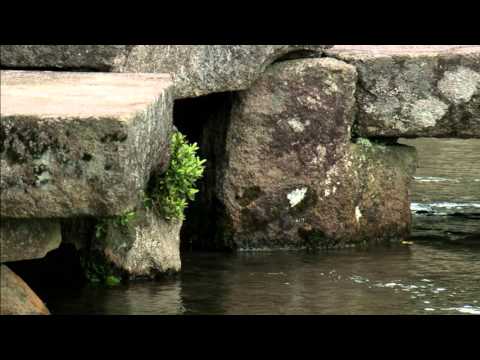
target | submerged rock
[
  {"x": 196, "y": 69},
  {"x": 16, "y": 297},
  {"x": 26, "y": 239},
  {"x": 416, "y": 91},
  {"x": 291, "y": 177},
  {"x": 80, "y": 144}
]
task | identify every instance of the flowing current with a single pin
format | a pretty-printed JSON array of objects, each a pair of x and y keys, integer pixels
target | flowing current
[
  {"x": 446, "y": 190},
  {"x": 436, "y": 272}
]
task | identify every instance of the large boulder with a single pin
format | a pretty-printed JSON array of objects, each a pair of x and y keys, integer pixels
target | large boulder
[
  {"x": 291, "y": 177},
  {"x": 16, "y": 297},
  {"x": 80, "y": 144},
  {"x": 196, "y": 69},
  {"x": 26, "y": 239},
  {"x": 416, "y": 91}
]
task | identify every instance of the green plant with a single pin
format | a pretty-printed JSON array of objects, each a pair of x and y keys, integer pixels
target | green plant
[
  {"x": 101, "y": 229},
  {"x": 97, "y": 270},
  {"x": 147, "y": 201},
  {"x": 112, "y": 280},
  {"x": 119, "y": 221},
  {"x": 125, "y": 219},
  {"x": 172, "y": 192}
]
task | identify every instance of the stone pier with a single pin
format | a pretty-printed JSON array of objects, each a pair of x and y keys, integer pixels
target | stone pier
[{"x": 79, "y": 145}]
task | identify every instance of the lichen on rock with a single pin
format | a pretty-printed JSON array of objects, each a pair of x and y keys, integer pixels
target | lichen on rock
[
  {"x": 416, "y": 91},
  {"x": 297, "y": 196},
  {"x": 80, "y": 144}
]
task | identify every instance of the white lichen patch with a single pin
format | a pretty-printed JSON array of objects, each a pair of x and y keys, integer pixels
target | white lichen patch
[
  {"x": 382, "y": 86},
  {"x": 386, "y": 107},
  {"x": 296, "y": 125},
  {"x": 358, "y": 214},
  {"x": 427, "y": 112},
  {"x": 311, "y": 101},
  {"x": 297, "y": 196},
  {"x": 43, "y": 178},
  {"x": 331, "y": 174},
  {"x": 330, "y": 86},
  {"x": 459, "y": 86},
  {"x": 332, "y": 191}
]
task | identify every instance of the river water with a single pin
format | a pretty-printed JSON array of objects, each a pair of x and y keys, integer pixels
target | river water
[
  {"x": 446, "y": 190},
  {"x": 438, "y": 272}
]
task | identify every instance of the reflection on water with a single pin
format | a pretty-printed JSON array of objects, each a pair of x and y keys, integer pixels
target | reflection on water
[
  {"x": 446, "y": 190},
  {"x": 448, "y": 170},
  {"x": 142, "y": 298},
  {"x": 424, "y": 278},
  {"x": 418, "y": 279}
]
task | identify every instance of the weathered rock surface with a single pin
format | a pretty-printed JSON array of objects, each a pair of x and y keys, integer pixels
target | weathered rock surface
[
  {"x": 80, "y": 144},
  {"x": 68, "y": 57},
  {"x": 200, "y": 70},
  {"x": 196, "y": 69},
  {"x": 415, "y": 91},
  {"x": 292, "y": 178},
  {"x": 26, "y": 239},
  {"x": 148, "y": 245},
  {"x": 16, "y": 298}
]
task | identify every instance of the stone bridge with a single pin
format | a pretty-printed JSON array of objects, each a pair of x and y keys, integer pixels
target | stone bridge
[{"x": 302, "y": 152}]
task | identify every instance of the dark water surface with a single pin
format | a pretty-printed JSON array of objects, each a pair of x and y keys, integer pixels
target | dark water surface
[
  {"x": 439, "y": 273},
  {"x": 414, "y": 279}
]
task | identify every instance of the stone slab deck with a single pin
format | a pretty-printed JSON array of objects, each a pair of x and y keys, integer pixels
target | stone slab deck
[
  {"x": 80, "y": 144},
  {"x": 416, "y": 90},
  {"x": 196, "y": 69}
]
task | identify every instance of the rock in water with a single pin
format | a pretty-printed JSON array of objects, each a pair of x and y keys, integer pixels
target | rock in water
[
  {"x": 291, "y": 177},
  {"x": 80, "y": 144},
  {"x": 416, "y": 91},
  {"x": 148, "y": 245},
  {"x": 16, "y": 298},
  {"x": 196, "y": 69}
]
